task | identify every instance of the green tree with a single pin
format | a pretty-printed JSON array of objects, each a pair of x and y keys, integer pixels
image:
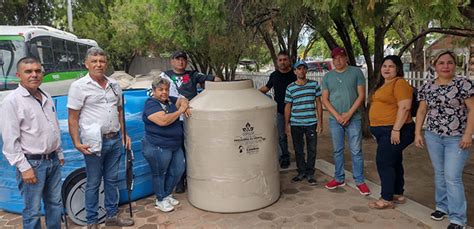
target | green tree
[
  {"x": 27, "y": 12},
  {"x": 207, "y": 30}
]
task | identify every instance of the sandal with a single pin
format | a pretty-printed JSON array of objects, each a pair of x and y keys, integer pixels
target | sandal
[
  {"x": 381, "y": 204},
  {"x": 399, "y": 199}
]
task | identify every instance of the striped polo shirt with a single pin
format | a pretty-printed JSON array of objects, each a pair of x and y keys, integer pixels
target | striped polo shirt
[{"x": 302, "y": 99}]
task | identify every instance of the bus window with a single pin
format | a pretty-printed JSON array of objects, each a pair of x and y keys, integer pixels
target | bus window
[
  {"x": 46, "y": 58},
  {"x": 11, "y": 51},
  {"x": 60, "y": 55},
  {"x": 42, "y": 41},
  {"x": 45, "y": 52},
  {"x": 82, "y": 53},
  {"x": 73, "y": 55}
]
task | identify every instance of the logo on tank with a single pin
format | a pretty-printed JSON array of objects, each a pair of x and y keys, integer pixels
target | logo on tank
[{"x": 248, "y": 142}]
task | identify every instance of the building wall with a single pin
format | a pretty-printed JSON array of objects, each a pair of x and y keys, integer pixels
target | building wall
[{"x": 143, "y": 65}]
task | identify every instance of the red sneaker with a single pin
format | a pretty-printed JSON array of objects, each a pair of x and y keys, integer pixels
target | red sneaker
[
  {"x": 363, "y": 189},
  {"x": 334, "y": 184}
]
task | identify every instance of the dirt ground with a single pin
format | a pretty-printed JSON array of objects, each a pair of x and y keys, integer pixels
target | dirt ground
[{"x": 419, "y": 178}]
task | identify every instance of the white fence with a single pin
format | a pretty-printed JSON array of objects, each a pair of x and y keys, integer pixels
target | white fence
[{"x": 415, "y": 79}]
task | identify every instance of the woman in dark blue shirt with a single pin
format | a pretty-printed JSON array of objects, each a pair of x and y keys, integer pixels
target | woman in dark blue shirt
[{"x": 163, "y": 140}]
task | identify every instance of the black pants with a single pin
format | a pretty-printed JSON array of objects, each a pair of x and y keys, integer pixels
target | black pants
[
  {"x": 389, "y": 158},
  {"x": 305, "y": 167},
  {"x": 181, "y": 185}
]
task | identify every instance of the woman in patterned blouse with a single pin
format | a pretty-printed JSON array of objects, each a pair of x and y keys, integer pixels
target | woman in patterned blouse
[{"x": 448, "y": 102}]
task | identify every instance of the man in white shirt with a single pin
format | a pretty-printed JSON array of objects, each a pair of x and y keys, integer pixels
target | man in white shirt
[
  {"x": 95, "y": 105},
  {"x": 32, "y": 143}
]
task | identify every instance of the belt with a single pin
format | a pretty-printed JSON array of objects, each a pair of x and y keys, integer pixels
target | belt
[
  {"x": 41, "y": 156},
  {"x": 109, "y": 135}
]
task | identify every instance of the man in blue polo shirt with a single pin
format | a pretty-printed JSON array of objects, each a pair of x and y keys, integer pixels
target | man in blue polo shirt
[{"x": 303, "y": 111}]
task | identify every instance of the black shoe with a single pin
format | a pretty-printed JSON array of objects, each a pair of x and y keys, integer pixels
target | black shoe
[
  {"x": 312, "y": 181},
  {"x": 298, "y": 178},
  {"x": 181, "y": 185},
  {"x": 284, "y": 164},
  {"x": 438, "y": 215},
  {"x": 119, "y": 222},
  {"x": 455, "y": 226}
]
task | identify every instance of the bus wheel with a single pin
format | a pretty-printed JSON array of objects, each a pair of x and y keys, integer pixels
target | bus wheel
[{"x": 74, "y": 196}]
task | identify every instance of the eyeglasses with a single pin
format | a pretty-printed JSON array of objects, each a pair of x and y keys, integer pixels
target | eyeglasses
[{"x": 113, "y": 90}]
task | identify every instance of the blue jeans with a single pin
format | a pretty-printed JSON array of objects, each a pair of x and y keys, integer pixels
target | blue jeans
[
  {"x": 389, "y": 158},
  {"x": 104, "y": 167},
  {"x": 282, "y": 139},
  {"x": 448, "y": 163},
  {"x": 354, "y": 135},
  {"x": 48, "y": 187},
  {"x": 166, "y": 165},
  {"x": 298, "y": 133}
]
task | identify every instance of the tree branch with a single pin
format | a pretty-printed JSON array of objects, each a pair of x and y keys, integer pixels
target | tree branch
[{"x": 451, "y": 31}]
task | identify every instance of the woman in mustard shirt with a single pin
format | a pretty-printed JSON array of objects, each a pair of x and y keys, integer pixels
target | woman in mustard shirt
[{"x": 392, "y": 125}]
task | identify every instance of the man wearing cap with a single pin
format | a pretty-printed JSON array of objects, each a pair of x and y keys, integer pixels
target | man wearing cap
[
  {"x": 32, "y": 143},
  {"x": 279, "y": 80},
  {"x": 303, "y": 110},
  {"x": 343, "y": 94},
  {"x": 183, "y": 83},
  {"x": 95, "y": 112}
]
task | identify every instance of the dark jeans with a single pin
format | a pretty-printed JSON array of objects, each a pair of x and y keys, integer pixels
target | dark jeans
[
  {"x": 282, "y": 139},
  {"x": 305, "y": 167},
  {"x": 182, "y": 181},
  {"x": 389, "y": 158}
]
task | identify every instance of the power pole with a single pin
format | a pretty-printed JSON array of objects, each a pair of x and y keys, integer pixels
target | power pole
[{"x": 69, "y": 15}]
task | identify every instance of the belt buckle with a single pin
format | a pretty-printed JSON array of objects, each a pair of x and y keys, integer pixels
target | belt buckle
[{"x": 110, "y": 135}]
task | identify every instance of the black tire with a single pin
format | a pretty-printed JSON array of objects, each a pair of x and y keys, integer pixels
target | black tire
[{"x": 73, "y": 193}]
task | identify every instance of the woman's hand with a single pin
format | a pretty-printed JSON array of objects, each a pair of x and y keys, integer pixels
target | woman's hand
[
  {"x": 183, "y": 105},
  {"x": 465, "y": 142},
  {"x": 395, "y": 137},
  {"x": 187, "y": 112},
  {"x": 419, "y": 142}
]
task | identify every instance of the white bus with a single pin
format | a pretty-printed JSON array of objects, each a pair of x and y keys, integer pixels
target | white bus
[{"x": 61, "y": 53}]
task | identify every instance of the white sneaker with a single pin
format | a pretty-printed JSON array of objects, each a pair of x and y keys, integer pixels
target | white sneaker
[
  {"x": 164, "y": 205},
  {"x": 171, "y": 200}
]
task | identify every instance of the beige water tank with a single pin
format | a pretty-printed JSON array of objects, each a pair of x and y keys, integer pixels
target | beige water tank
[{"x": 231, "y": 154}]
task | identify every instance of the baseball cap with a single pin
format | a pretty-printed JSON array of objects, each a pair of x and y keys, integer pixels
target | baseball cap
[
  {"x": 338, "y": 51},
  {"x": 178, "y": 54},
  {"x": 298, "y": 63}
]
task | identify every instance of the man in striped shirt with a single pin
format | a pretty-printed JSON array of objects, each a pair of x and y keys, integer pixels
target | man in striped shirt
[{"x": 303, "y": 111}]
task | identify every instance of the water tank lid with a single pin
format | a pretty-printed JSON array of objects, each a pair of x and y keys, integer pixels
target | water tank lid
[{"x": 229, "y": 85}]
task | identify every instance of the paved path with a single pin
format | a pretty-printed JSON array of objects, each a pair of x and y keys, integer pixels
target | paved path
[{"x": 300, "y": 206}]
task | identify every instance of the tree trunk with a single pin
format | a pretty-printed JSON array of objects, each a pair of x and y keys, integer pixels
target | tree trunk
[
  {"x": 268, "y": 41},
  {"x": 379, "y": 35},
  {"x": 417, "y": 56},
  {"x": 346, "y": 39}
]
